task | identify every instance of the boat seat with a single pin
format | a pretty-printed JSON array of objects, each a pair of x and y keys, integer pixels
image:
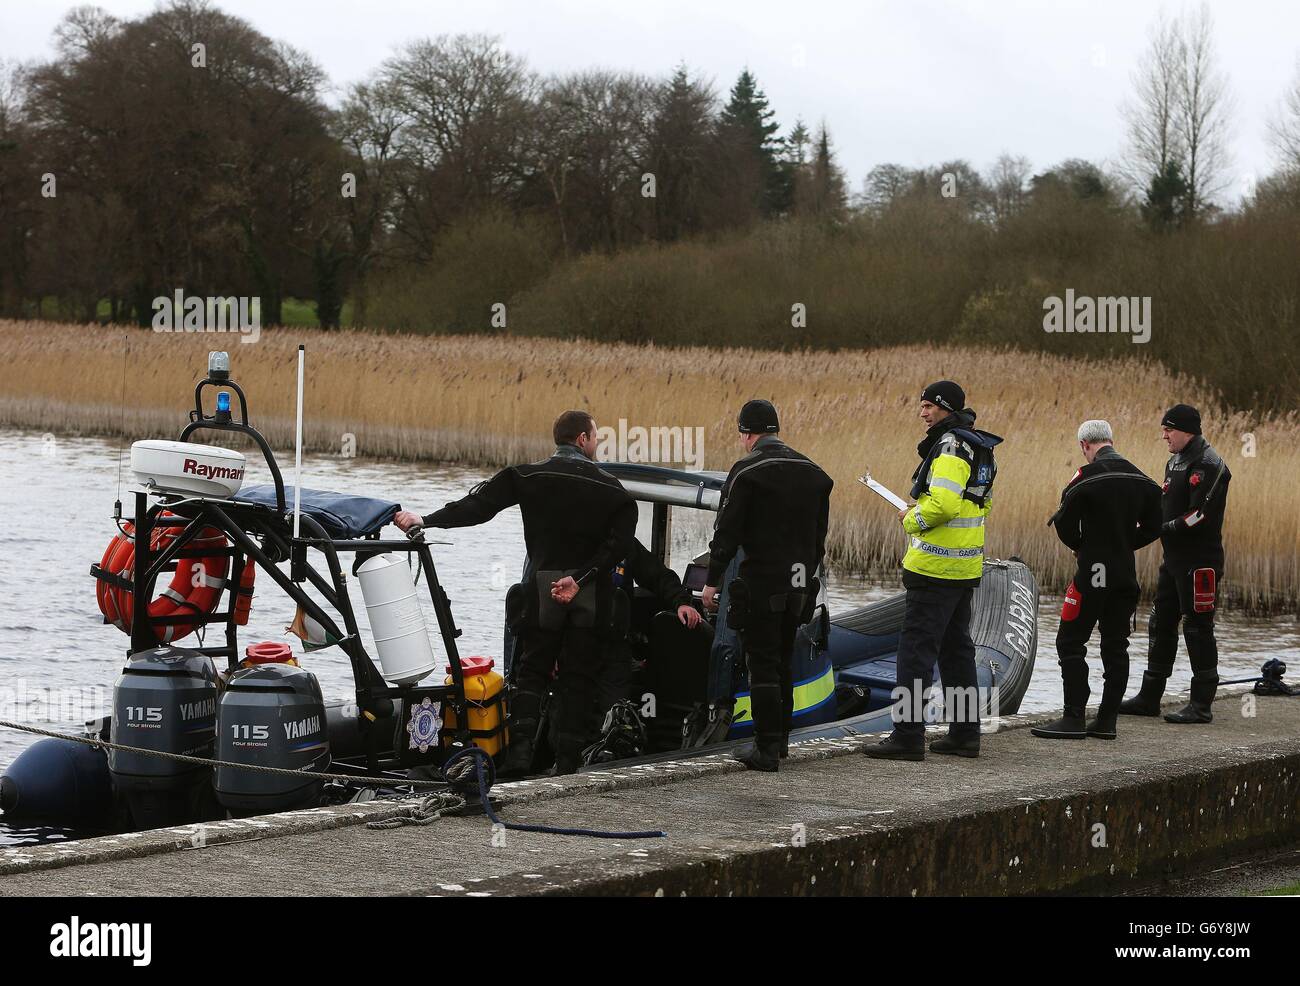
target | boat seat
[
  {"x": 342, "y": 515},
  {"x": 868, "y": 674}
]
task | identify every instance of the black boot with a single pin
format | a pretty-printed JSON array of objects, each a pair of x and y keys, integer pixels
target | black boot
[
  {"x": 1074, "y": 686},
  {"x": 1147, "y": 701},
  {"x": 568, "y": 754},
  {"x": 785, "y": 746},
  {"x": 764, "y": 755},
  {"x": 765, "y": 706},
  {"x": 959, "y": 745},
  {"x": 520, "y": 753},
  {"x": 1102, "y": 727},
  {"x": 1198, "y": 710},
  {"x": 893, "y": 747},
  {"x": 1162, "y": 646},
  {"x": 1191, "y": 713},
  {"x": 1069, "y": 726},
  {"x": 1203, "y": 654},
  {"x": 525, "y": 712}
]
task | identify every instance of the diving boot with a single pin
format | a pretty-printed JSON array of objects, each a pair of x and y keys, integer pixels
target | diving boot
[
  {"x": 764, "y": 755},
  {"x": 1147, "y": 701},
  {"x": 1102, "y": 727},
  {"x": 894, "y": 748},
  {"x": 1204, "y": 655},
  {"x": 961, "y": 745},
  {"x": 765, "y": 706},
  {"x": 1192, "y": 713},
  {"x": 785, "y": 746},
  {"x": 519, "y": 758},
  {"x": 522, "y": 750},
  {"x": 1069, "y": 726},
  {"x": 568, "y": 754}
]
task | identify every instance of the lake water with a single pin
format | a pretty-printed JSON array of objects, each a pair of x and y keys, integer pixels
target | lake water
[{"x": 58, "y": 660}]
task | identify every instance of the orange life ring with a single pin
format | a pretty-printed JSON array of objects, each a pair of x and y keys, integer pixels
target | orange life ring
[{"x": 195, "y": 588}]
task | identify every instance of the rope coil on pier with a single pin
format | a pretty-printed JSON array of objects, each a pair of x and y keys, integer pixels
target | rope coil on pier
[{"x": 472, "y": 768}]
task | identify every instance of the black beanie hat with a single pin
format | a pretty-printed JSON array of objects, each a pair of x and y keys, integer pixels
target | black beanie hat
[
  {"x": 946, "y": 395},
  {"x": 758, "y": 417},
  {"x": 1183, "y": 417}
]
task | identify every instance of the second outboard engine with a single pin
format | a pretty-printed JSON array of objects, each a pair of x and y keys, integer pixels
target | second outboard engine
[
  {"x": 165, "y": 700},
  {"x": 271, "y": 715}
]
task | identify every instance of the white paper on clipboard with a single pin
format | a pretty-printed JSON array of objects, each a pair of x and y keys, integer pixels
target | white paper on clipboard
[{"x": 883, "y": 491}]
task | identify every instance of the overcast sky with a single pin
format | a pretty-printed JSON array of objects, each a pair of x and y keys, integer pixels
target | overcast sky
[{"x": 907, "y": 81}]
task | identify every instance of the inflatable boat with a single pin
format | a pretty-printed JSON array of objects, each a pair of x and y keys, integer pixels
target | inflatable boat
[{"x": 200, "y": 733}]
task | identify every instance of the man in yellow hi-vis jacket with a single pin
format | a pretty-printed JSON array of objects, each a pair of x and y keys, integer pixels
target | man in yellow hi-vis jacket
[{"x": 943, "y": 564}]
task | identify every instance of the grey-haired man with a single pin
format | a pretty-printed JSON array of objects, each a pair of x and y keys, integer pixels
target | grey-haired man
[{"x": 1108, "y": 511}]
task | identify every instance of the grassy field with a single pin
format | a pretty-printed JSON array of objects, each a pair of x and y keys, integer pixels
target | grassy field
[{"x": 491, "y": 399}]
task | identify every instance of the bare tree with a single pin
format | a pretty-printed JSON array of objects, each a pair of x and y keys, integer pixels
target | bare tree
[
  {"x": 1178, "y": 116},
  {"x": 589, "y": 144},
  {"x": 1008, "y": 183},
  {"x": 368, "y": 124},
  {"x": 1204, "y": 106},
  {"x": 884, "y": 185},
  {"x": 467, "y": 103},
  {"x": 1284, "y": 127},
  {"x": 1151, "y": 113}
]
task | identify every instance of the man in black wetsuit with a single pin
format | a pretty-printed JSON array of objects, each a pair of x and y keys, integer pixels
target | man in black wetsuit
[
  {"x": 775, "y": 505},
  {"x": 578, "y": 523},
  {"x": 1195, "y": 499},
  {"x": 1109, "y": 510}
]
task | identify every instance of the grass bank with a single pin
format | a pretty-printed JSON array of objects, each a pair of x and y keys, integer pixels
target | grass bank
[{"x": 490, "y": 399}]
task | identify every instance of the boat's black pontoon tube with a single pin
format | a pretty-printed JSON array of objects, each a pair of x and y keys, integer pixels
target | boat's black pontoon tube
[{"x": 246, "y": 523}]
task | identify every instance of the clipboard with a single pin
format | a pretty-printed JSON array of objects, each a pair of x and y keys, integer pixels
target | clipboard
[{"x": 882, "y": 491}]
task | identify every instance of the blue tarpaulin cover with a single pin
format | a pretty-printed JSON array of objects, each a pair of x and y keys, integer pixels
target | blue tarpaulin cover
[{"x": 343, "y": 515}]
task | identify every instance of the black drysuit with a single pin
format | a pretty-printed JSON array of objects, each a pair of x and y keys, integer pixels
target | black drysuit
[
  {"x": 1195, "y": 499},
  {"x": 775, "y": 505},
  {"x": 1108, "y": 511},
  {"x": 578, "y": 520}
]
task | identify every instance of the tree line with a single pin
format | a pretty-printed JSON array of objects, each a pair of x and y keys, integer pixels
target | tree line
[{"x": 185, "y": 149}]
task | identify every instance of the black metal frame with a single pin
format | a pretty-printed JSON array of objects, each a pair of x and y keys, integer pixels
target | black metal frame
[{"x": 262, "y": 535}]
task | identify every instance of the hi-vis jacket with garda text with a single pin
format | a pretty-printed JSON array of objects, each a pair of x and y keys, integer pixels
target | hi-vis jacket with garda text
[{"x": 952, "y": 490}]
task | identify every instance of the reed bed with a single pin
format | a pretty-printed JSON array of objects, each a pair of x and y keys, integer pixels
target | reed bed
[{"x": 488, "y": 400}]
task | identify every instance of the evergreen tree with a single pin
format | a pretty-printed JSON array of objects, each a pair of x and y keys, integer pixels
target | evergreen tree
[
  {"x": 680, "y": 154},
  {"x": 1165, "y": 205},
  {"x": 828, "y": 179},
  {"x": 752, "y": 124}
]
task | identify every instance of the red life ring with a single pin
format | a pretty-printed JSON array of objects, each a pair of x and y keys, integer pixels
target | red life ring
[{"x": 195, "y": 588}]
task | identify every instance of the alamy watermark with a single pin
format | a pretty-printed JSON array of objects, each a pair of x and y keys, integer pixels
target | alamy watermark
[
  {"x": 192, "y": 313},
  {"x": 677, "y": 444},
  {"x": 1099, "y": 315},
  {"x": 952, "y": 705}
]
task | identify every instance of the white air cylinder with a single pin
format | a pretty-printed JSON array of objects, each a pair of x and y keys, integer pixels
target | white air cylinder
[{"x": 401, "y": 637}]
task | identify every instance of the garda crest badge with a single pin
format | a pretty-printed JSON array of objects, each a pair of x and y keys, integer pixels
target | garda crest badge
[{"x": 425, "y": 724}]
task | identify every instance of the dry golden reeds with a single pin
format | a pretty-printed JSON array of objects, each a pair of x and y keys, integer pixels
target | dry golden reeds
[{"x": 491, "y": 399}]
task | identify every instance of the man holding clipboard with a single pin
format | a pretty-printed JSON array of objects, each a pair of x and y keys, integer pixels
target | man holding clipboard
[{"x": 944, "y": 562}]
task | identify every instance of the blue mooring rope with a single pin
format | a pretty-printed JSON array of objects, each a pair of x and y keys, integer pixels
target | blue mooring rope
[{"x": 485, "y": 774}]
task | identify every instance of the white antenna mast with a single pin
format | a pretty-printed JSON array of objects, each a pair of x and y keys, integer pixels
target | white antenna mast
[{"x": 297, "y": 455}]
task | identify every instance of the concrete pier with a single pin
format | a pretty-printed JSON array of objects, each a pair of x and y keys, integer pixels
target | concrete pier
[{"x": 1029, "y": 816}]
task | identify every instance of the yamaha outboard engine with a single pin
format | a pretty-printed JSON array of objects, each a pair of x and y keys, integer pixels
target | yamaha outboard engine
[
  {"x": 165, "y": 700},
  {"x": 271, "y": 715}
]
